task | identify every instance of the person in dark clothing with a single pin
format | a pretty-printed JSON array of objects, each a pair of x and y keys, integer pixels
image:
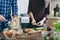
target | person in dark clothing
[
  {"x": 38, "y": 11},
  {"x": 56, "y": 9}
]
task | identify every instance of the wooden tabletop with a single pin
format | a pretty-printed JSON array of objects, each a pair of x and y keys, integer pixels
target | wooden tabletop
[{"x": 33, "y": 36}]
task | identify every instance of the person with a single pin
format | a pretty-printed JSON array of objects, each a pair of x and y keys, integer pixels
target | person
[
  {"x": 6, "y": 6},
  {"x": 56, "y": 9},
  {"x": 38, "y": 11}
]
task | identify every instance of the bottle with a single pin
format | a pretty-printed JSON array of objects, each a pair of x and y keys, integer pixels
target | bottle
[{"x": 20, "y": 30}]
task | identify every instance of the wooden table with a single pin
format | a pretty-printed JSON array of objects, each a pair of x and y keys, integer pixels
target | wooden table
[
  {"x": 30, "y": 36},
  {"x": 34, "y": 36}
]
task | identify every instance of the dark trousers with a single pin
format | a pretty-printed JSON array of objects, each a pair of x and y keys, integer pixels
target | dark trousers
[
  {"x": 54, "y": 14},
  {"x": 34, "y": 26},
  {"x": 4, "y": 25}
]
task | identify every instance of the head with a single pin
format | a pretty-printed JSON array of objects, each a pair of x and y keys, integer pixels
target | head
[{"x": 57, "y": 5}]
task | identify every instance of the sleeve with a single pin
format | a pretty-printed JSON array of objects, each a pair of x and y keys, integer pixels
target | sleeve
[
  {"x": 47, "y": 11},
  {"x": 30, "y": 6},
  {"x": 14, "y": 8}
]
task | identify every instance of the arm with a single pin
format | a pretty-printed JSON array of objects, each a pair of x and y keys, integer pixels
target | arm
[
  {"x": 2, "y": 18},
  {"x": 31, "y": 15},
  {"x": 30, "y": 12},
  {"x": 46, "y": 3},
  {"x": 47, "y": 10},
  {"x": 14, "y": 8},
  {"x": 46, "y": 13},
  {"x": 32, "y": 18}
]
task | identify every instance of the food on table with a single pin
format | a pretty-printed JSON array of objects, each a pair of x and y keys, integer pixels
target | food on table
[
  {"x": 13, "y": 24},
  {"x": 41, "y": 28},
  {"x": 29, "y": 30},
  {"x": 17, "y": 33},
  {"x": 9, "y": 33},
  {"x": 57, "y": 25},
  {"x": 33, "y": 30},
  {"x": 39, "y": 24},
  {"x": 49, "y": 28}
]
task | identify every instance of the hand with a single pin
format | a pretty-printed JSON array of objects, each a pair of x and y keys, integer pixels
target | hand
[
  {"x": 15, "y": 17},
  {"x": 40, "y": 23},
  {"x": 2, "y": 18},
  {"x": 33, "y": 22}
]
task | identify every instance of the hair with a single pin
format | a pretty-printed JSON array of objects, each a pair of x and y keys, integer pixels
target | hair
[{"x": 57, "y": 5}]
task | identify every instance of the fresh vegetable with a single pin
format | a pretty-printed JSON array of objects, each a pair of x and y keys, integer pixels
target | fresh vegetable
[
  {"x": 49, "y": 28},
  {"x": 57, "y": 25},
  {"x": 9, "y": 33}
]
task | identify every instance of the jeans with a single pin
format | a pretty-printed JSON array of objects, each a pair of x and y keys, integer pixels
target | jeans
[{"x": 4, "y": 25}]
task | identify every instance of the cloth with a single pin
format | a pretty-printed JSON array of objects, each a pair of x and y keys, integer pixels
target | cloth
[
  {"x": 6, "y": 6},
  {"x": 37, "y": 7}
]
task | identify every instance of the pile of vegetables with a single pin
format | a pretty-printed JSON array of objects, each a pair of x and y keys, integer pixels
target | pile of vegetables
[
  {"x": 57, "y": 25},
  {"x": 11, "y": 33}
]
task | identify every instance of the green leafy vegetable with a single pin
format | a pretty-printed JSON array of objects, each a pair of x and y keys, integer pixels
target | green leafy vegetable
[{"x": 57, "y": 25}]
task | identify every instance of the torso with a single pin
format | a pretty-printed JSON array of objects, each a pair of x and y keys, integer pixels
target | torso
[
  {"x": 38, "y": 8},
  {"x": 5, "y": 8}
]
